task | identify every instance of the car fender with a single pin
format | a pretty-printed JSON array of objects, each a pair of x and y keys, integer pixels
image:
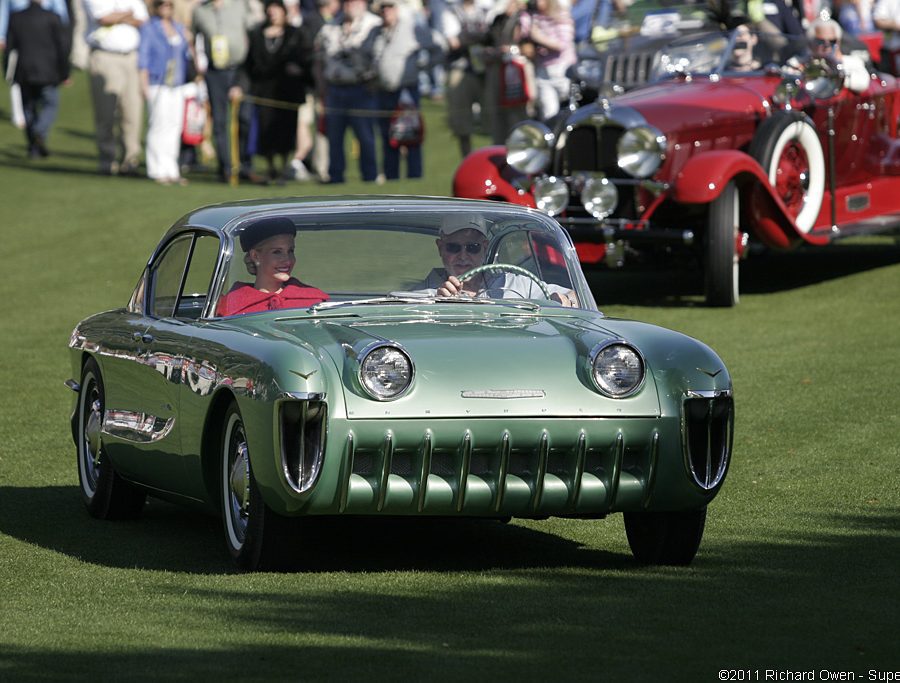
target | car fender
[
  {"x": 484, "y": 174},
  {"x": 704, "y": 177}
]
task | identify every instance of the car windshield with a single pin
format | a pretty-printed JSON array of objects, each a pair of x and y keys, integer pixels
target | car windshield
[
  {"x": 400, "y": 255},
  {"x": 735, "y": 52}
]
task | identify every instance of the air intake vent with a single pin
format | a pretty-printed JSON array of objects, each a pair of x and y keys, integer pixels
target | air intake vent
[
  {"x": 302, "y": 441},
  {"x": 709, "y": 431}
]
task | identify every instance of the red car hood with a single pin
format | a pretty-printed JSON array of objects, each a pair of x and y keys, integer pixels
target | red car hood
[{"x": 674, "y": 106}]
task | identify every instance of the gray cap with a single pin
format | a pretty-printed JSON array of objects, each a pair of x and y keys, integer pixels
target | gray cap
[{"x": 454, "y": 222}]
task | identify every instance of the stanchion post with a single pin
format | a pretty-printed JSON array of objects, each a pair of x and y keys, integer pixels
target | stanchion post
[{"x": 234, "y": 138}]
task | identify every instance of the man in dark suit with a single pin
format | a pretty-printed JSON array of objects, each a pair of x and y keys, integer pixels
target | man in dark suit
[{"x": 38, "y": 42}]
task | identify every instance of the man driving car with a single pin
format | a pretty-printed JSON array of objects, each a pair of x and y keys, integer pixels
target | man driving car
[{"x": 463, "y": 245}]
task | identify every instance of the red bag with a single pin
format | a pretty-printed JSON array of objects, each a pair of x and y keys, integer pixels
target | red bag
[
  {"x": 515, "y": 86},
  {"x": 407, "y": 128},
  {"x": 194, "y": 121}
]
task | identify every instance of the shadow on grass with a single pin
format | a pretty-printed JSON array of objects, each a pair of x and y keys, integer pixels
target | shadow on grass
[
  {"x": 762, "y": 273},
  {"x": 796, "y": 601},
  {"x": 172, "y": 538}
]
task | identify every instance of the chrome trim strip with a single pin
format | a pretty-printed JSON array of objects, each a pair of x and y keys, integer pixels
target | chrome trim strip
[
  {"x": 136, "y": 427},
  {"x": 73, "y": 385},
  {"x": 301, "y": 396},
  {"x": 652, "y": 469},
  {"x": 503, "y": 393},
  {"x": 543, "y": 454},
  {"x": 465, "y": 467},
  {"x": 387, "y": 455},
  {"x": 349, "y": 453},
  {"x": 427, "y": 449},
  {"x": 712, "y": 393},
  {"x": 504, "y": 469},
  {"x": 616, "y": 473},
  {"x": 580, "y": 456}
]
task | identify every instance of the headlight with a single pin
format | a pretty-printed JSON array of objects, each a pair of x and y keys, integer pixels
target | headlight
[
  {"x": 641, "y": 151},
  {"x": 589, "y": 71},
  {"x": 617, "y": 369},
  {"x": 551, "y": 195},
  {"x": 528, "y": 147},
  {"x": 599, "y": 197},
  {"x": 385, "y": 372}
]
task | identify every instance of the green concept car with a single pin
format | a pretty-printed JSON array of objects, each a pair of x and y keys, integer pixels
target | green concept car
[{"x": 391, "y": 356}]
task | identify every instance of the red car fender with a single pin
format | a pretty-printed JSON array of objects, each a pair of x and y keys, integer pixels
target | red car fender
[
  {"x": 703, "y": 177},
  {"x": 484, "y": 174}
]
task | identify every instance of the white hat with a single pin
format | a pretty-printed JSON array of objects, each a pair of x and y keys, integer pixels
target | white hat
[{"x": 454, "y": 222}]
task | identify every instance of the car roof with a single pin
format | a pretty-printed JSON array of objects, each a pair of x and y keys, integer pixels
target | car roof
[{"x": 219, "y": 216}]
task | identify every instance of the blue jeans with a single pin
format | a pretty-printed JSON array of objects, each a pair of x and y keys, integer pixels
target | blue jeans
[
  {"x": 349, "y": 105},
  {"x": 41, "y": 104},
  {"x": 388, "y": 101},
  {"x": 218, "y": 82}
]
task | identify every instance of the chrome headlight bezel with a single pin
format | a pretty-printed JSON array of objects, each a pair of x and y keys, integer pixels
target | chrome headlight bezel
[
  {"x": 601, "y": 355},
  {"x": 529, "y": 147},
  {"x": 641, "y": 150},
  {"x": 376, "y": 356},
  {"x": 551, "y": 195},
  {"x": 599, "y": 196}
]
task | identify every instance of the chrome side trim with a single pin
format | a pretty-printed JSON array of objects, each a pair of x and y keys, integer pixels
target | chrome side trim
[{"x": 136, "y": 427}]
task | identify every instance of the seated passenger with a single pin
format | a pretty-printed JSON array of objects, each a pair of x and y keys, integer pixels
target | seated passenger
[
  {"x": 463, "y": 246},
  {"x": 825, "y": 43},
  {"x": 269, "y": 255},
  {"x": 742, "y": 58}
]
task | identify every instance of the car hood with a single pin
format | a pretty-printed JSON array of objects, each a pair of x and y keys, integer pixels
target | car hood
[
  {"x": 675, "y": 106},
  {"x": 479, "y": 364}
]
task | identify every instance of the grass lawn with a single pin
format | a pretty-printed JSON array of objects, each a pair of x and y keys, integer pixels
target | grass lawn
[{"x": 798, "y": 570}]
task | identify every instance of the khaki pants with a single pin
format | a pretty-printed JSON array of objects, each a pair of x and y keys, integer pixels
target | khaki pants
[{"x": 116, "y": 92}]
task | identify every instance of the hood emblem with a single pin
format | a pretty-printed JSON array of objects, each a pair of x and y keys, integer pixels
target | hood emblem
[
  {"x": 710, "y": 372},
  {"x": 305, "y": 376},
  {"x": 503, "y": 393}
]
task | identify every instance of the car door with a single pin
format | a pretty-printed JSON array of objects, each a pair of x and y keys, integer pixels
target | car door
[{"x": 173, "y": 301}]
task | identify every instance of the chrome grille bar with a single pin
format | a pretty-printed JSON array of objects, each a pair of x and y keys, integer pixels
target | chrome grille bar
[
  {"x": 465, "y": 453},
  {"x": 504, "y": 469},
  {"x": 349, "y": 452},
  {"x": 651, "y": 473},
  {"x": 543, "y": 452},
  {"x": 426, "y": 468},
  {"x": 580, "y": 455},
  {"x": 387, "y": 454},
  {"x": 616, "y": 472}
]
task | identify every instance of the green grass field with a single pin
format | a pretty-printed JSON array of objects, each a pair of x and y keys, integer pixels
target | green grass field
[{"x": 798, "y": 570}]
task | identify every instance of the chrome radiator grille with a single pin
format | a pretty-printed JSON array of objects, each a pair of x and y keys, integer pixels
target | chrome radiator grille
[{"x": 574, "y": 473}]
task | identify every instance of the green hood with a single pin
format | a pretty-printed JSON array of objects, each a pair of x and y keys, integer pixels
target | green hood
[{"x": 474, "y": 362}]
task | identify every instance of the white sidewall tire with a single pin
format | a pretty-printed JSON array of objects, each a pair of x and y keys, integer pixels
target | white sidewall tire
[{"x": 805, "y": 135}]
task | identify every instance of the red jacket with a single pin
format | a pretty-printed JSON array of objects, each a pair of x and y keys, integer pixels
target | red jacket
[{"x": 245, "y": 298}]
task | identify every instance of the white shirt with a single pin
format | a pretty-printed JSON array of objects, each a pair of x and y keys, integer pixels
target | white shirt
[
  {"x": 122, "y": 38},
  {"x": 889, "y": 10}
]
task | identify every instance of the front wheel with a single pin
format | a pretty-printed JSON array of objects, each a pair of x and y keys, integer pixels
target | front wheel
[
  {"x": 253, "y": 533},
  {"x": 105, "y": 494},
  {"x": 722, "y": 261},
  {"x": 665, "y": 537}
]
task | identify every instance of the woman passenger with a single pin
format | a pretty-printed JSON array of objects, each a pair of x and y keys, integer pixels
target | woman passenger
[{"x": 269, "y": 254}]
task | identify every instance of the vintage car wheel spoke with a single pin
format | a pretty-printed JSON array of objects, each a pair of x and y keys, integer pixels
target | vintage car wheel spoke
[{"x": 236, "y": 475}]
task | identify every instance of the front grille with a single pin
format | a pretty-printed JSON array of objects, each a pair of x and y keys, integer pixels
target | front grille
[
  {"x": 567, "y": 473},
  {"x": 628, "y": 69},
  {"x": 709, "y": 431}
]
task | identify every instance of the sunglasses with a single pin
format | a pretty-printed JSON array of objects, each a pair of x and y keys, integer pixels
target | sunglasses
[
  {"x": 471, "y": 247},
  {"x": 822, "y": 42}
]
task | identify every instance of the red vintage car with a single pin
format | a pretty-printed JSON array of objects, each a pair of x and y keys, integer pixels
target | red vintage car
[{"x": 708, "y": 157}]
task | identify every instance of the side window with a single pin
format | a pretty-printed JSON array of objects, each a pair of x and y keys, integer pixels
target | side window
[
  {"x": 199, "y": 275},
  {"x": 166, "y": 276}
]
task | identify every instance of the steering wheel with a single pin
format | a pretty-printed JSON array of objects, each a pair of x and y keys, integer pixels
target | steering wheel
[{"x": 496, "y": 267}]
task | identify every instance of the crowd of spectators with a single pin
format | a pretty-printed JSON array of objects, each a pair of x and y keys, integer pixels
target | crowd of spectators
[{"x": 300, "y": 73}]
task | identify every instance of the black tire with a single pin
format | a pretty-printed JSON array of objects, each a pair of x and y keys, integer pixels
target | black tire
[
  {"x": 788, "y": 148},
  {"x": 721, "y": 260},
  {"x": 106, "y": 495},
  {"x": 257, "y": 538},
  {"x": 665, "y": 537}
]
